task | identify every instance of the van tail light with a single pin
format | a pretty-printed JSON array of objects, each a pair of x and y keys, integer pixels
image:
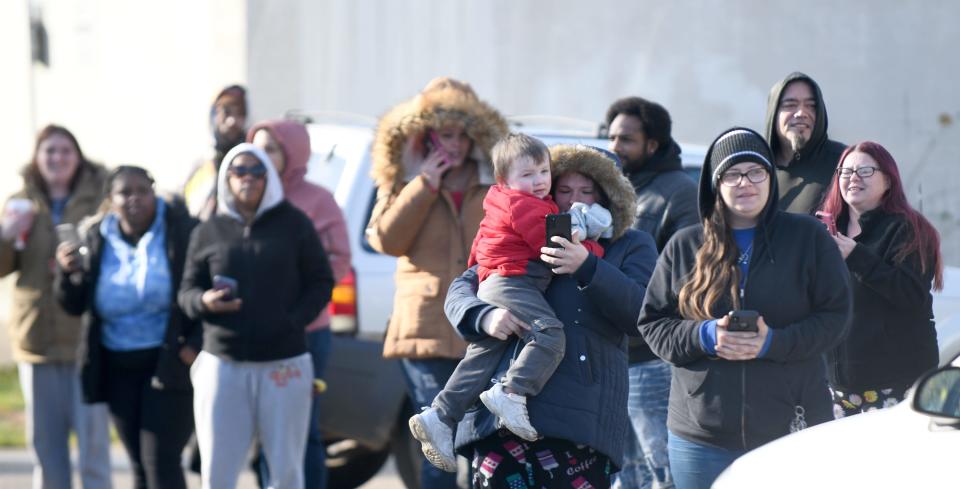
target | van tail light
[{"x": 343, "y": 305}]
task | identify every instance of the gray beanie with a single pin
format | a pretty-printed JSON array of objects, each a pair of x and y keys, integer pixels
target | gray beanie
[{"x": 738, "y": 146}]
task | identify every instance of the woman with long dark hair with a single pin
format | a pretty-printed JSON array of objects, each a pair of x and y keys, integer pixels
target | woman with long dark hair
[
  {"x": 139, "y": 343},
  {"x": 743, "y": 307},
  {"x": 60, "y": 186},
  {"x": 893, "y": 254}
]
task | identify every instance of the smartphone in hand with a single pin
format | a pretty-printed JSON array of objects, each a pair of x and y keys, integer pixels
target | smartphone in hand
[
  {"x": 743, "y": 320},
  {"x": 829, "y": 221},
  {"x": 67, "y": 233},
  {"x": 558, "y": 225},
  {"x": 434, "y": 143},
  {"x": 222, "y": 282}
]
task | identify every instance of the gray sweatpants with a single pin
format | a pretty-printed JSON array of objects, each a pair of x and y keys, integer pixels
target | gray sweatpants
[
  {"x": 54, "y": 407},
  {"x": 522, "y": 295},
  {"x": 233, "y": 402}
]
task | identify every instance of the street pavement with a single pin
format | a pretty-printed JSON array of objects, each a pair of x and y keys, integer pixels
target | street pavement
[{"x": 16, "y": 467}]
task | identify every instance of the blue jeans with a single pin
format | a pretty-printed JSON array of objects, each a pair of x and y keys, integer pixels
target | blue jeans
[
  {"x": 696, "y": 466},
  {"x": 315, "y": 457},
  {"x": 646, "y": 463},
  {"x": 425, "y": 378}
]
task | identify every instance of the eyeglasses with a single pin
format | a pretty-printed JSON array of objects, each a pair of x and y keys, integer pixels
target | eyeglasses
[
  {"x": 734, "y": 178},
  {"x": 862, "y": 172},
  {"x": 256, "y": 171}
]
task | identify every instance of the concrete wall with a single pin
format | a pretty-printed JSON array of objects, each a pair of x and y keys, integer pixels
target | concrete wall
[
  {"x": 134, "y": 79},
  {"x": 888, "y": 68}
]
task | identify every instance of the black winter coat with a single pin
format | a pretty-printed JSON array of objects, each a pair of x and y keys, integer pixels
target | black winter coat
[
  {"x": 892, "y": 339},
  {"x": 585, "y": 401},
  {"x": 80, "y": 297},
  {"x": 283, "y": 276},
  {"x": 798, "y": 283}
]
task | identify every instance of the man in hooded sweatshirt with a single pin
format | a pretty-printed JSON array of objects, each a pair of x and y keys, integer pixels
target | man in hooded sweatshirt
[
  {"x": 228, "y": 120},
  {"x": 639, "y": 132},
  {"x": 805, "y": 157}
]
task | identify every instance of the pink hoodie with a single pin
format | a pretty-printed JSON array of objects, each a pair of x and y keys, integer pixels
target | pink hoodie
[{"x": 315, "y": 201}]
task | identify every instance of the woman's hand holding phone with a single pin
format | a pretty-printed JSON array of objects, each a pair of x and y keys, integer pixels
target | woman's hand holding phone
[
  {"x": 217, "y": 301},
  {"x": 740, "y": 345},
  {"x": 436, "y": 162},
  {"x": 68, "y": 256},
  {"x": 845, "y": 244}
]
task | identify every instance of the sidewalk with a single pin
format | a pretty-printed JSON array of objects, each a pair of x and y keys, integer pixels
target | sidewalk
[{"x": 16, "y": 467}]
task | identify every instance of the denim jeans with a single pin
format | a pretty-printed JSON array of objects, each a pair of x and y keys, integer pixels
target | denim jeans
[
  {"x": 646, "y": 463},
  {"x": 425, "y": 378},
  {"x": 315, "y": 458},
  {"x": 696, "y": 466}
]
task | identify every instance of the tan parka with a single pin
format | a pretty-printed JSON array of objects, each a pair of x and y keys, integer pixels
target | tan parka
[
  {"x": 423, "y": 227},
  {"x": 40, "y": 331}
]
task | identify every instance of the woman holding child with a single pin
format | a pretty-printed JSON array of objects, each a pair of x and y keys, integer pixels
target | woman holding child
[
  {"x": 576, "y": 412},
  {"x": 431, "y": 164}
]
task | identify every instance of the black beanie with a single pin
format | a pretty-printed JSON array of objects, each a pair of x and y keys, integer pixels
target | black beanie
[{"x": 738, "y": 146}]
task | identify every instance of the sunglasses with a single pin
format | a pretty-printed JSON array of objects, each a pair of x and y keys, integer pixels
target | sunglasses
[{"x": 256, "y": 171}]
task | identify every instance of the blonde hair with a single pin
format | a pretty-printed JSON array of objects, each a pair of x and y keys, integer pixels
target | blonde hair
[
  {"x": 513, "y": 147},
  {"x": 715, "y": 272}
]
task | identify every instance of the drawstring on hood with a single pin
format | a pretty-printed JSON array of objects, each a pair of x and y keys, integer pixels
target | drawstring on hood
[
  {"x": 603, "y": 168},
  {"x": 272, "y": 192}
]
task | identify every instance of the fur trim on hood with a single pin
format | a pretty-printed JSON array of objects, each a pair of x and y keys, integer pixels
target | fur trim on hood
[
  {"x": 603, "y": 170},
  {"x": 294, "y": 142},
  {"x": 272, "y": 194},
  {"x": 400, "y": 133}
]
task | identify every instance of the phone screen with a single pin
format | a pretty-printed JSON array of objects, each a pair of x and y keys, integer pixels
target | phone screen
[{"x": 558, "y": 225}]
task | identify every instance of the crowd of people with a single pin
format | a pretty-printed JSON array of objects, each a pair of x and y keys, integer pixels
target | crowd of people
[{"x": 662, "y": 330}]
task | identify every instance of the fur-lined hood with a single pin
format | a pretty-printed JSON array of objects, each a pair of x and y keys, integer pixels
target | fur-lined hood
[
  {"x": 603, "y": 170},
  {"x": 400, "y": 132}
]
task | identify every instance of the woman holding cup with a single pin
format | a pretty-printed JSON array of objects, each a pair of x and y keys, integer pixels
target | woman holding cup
[{"x": 59, "y": 186}]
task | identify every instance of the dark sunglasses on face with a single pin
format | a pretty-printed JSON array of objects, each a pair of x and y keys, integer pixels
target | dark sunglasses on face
[
  {"x": 862, "y": 172},
  {"x": 733, "y": 178},
  {"x": 256, "y": 171}
]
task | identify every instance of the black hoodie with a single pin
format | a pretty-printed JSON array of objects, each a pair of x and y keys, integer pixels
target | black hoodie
[
  {"x": 804, "y": 182},
  {"x": 798, "y": 282}
]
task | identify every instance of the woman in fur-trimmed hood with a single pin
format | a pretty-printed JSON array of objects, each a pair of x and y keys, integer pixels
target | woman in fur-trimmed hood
[
  {"x": 581, "y": 412},
  {"x": 431, "y": 163}
]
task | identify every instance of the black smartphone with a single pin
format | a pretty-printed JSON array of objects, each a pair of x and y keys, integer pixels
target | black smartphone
[
  {"x": 222, "y": 282},
  {"x": 743, "y": 321},
  {"x": 67, "y": 233},
  {"x": 558, "y": 225}
]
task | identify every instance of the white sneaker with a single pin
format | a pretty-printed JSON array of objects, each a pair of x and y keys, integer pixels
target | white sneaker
[
  {"x": 511, "y": 409},
  {"x": 436, "y": 439}
]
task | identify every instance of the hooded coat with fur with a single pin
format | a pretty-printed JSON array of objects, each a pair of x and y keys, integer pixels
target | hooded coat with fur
[
  {"x": 424, "y": 227},
  {"x": 585, "y": 400},
  {"x": 805, "y": 180},
  {"x": 315, "y": 201},
  {"x": 282, "y": 273}
]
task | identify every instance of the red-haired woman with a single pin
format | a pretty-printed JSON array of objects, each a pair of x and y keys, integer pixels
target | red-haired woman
[{"x": 893, "y": 255}]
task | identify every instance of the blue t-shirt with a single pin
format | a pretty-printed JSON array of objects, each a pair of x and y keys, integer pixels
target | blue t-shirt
[
  {"x": 708, "y": 329},
  {"x": 134, "y": 291}
]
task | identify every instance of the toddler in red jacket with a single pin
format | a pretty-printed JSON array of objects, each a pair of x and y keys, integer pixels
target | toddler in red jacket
[{"x": 507, "y": 252}]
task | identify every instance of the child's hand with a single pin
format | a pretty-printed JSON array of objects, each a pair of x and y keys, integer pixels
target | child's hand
[{"x": 500, "y": 324}]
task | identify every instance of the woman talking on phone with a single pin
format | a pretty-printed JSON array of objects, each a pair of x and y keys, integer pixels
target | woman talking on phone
[
  {"x": 893, "y": 254},
  {"x": 431, "y": 163},
  {"x": 743, "y": 306},
  {"x": 256, "y": 275},
  {"x": 139, "y": 344},
  {"x": 60, "y": 186}
]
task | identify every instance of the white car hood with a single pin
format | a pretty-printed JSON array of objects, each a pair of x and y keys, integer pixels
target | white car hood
[{"x": 896, "y": 447}]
